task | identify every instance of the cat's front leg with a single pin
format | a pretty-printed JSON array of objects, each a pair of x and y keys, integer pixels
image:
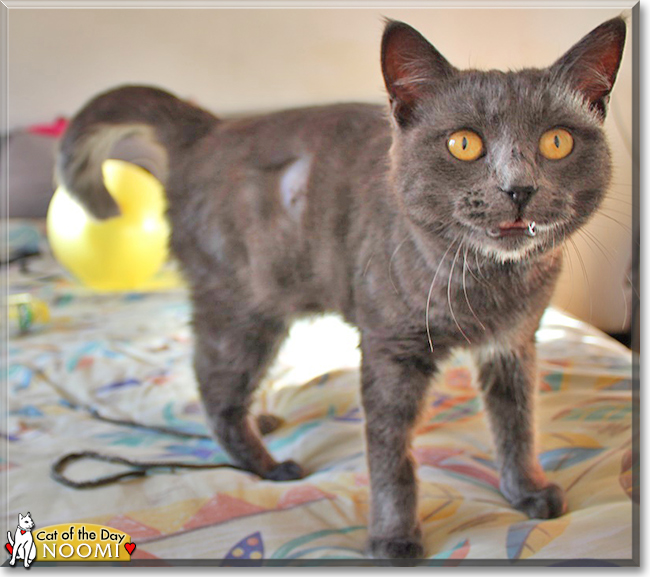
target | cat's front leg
[
  {"x": 508, "y": 379},
  {"x": 27, "y": 549},
  {"x": 30, "y": 553},
  {"x": 394, "y": 384}
]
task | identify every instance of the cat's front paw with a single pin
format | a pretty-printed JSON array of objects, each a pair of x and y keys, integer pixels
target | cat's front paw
[
  {"x": 547, "y": 503},
  {"x": 12, "y": 562},
  {"x": 285, "y": 471},
  {"x": 394, "y": 548}
]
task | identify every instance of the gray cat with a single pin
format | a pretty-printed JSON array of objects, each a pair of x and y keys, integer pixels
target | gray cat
[{"x": 437, "y": 225}]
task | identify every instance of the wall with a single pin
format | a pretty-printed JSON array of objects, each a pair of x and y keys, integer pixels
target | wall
[{"x": 236, "y": 60}]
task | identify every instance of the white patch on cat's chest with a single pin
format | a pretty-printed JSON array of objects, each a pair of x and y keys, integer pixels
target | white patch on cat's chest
[{"x": 293, "y": 185}]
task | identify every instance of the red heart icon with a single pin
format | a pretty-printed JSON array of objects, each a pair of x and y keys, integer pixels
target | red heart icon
[
  {"x": 9, "y": 548},
  {"x": 130, "y": 547}
]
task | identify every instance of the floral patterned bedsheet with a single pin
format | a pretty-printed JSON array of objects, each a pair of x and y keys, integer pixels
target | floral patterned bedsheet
[{"x": 128, "y": 356}]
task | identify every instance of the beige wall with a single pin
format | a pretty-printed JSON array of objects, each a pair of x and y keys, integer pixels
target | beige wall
[{"x": 233, "y": 60}]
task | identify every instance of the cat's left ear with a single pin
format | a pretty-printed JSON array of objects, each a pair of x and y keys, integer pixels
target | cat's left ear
[
  {"x": 592, "y": 64},
  {"x": 411, "y": 67}
]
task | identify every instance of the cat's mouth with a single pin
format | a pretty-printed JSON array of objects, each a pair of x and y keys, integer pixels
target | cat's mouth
[{"x": 518, "y": 228}]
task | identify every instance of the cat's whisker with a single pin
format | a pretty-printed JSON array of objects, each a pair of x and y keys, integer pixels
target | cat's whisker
[
  {"x": 622, "y": 199},
  {"x": 590, "y": 241},
  {"x": 390, "y": 264},
  {"x": 619, "y": 183},
  {"x": 469, "y": 268},
  {"x": 426, "y": 313},
  {"x": 365, "y": 270},
  {"x": 624, "y": 227},
  {"x": 621, "y": 202},
  {"x": 565, "y": 250},
  {"x": 451, "y": 308},
  {"x": 611, "y": 251},
  {"x": 553, "y": 237},
  {"x": 621, "y": 212},
  {"x": 480, "y": 272},
  {"x": 612, "y": 254},
  {"x": 465, "y": 290},
  {"x": 585, "y": 276}
]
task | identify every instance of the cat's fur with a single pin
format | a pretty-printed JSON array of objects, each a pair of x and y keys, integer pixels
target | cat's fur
[
  {"x": 22, "y": 542},
  {"x": 345, "y": 208}
]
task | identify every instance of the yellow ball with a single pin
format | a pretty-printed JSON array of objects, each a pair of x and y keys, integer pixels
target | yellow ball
[{"x": 120, "y": 253}]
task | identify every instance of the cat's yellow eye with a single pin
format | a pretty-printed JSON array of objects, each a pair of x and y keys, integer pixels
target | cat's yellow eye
[
  {"x": 465, "y": 145},
  {"x": 556, "y": 143}
]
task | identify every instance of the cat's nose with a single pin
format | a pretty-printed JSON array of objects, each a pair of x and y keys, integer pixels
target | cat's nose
[{"x": 520, "y": 195}]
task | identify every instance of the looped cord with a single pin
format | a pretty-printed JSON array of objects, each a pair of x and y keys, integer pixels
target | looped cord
[{"x": 139, "y": 468}]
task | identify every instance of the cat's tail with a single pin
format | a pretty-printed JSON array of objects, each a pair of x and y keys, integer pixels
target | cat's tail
[
  {"x": 163, "y": 120},
  {"x": 11, "y": 539}
]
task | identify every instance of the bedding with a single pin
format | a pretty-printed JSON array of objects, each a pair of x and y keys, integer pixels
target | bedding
[{"x": 128, "y": 357}]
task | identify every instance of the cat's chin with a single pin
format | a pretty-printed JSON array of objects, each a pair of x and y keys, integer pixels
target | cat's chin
[
  {"x": 508, "y": 247},
  {"x": 503, "y": 255},
  {"x": 526, "y": 241},
  {"x": 505, "y": 244}
]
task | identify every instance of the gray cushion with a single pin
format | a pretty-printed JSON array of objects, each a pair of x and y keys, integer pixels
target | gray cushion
[{"x": 31, "y": 169}]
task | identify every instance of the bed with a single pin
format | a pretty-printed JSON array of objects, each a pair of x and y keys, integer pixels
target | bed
[{"x": 128, "y": 357}]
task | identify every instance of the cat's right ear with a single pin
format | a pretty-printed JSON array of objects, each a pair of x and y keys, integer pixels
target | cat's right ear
[{"x": 411, "y": 67}]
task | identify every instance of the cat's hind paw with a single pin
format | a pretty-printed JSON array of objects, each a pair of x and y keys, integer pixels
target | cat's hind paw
[
  {"x": 285, "y": 471},
  {"x": 268, "y": 423}
]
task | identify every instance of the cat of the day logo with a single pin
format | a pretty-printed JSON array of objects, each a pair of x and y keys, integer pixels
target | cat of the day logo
[{"x": 67, "y": 542}]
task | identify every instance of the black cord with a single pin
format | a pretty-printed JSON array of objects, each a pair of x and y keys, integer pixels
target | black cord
[
  {"x": 139, "y": 468},
  {"x": 136, "y": 425},
  {"x": 21, "y": 255}
]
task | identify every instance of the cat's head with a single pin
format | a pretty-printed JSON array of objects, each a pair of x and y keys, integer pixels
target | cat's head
[
  {"x": 25, "y": 521},
  {"x": 505, "y": 163}
]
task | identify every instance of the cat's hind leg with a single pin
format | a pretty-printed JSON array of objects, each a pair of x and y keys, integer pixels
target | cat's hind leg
[
  {"x": 14, "y": 551},
  {"x": 232, "y": 353}
]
